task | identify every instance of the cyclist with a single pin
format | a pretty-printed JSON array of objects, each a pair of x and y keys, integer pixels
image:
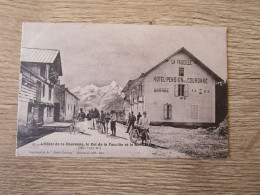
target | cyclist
[{"x": 143, "y": 126}]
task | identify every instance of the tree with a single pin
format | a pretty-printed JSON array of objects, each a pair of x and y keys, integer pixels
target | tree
[{"x": 221, "y": 102}]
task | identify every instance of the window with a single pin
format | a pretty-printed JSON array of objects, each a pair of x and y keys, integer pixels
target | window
[
  {"x": 181, "y": 72},
  {"x": 132, "y": 97},
  {"x": 140, "y": 90},
  {"x": 167, "y": 111},
  {"x": 43, "y": 90},
  {"x": 181, "y": 90},
  {"x": 38, "y": 90},
  {"x": 50, "y": 93},
  {"x": 68, "y": 107},
  {"x": 49, "y": 112},
  {"x": 30, "y": 108},
  {"x": 42, "y": 71},
  {"x": 194, "y": 111}
]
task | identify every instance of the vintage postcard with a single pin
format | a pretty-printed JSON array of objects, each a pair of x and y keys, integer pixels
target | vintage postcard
[{"x": 117, "y": 90}]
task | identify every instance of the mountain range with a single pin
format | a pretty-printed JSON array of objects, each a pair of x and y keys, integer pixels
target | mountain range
[{"x": 103, "y": 98}]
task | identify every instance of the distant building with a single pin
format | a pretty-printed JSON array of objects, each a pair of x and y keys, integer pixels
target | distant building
[
  {"x": 178, "y": 91},
  {"x": 40, "y": 71},
  {"x": 65, "y": 104}
]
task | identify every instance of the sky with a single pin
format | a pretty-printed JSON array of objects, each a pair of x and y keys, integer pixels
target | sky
[{"x": 101, "y": 53}]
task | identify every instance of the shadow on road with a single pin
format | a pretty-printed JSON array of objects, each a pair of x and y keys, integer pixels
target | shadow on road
[
  {"x": 156, "y": 146},
  {"x": 116, "y": 137},
  {"x": 84, "y": 133}
]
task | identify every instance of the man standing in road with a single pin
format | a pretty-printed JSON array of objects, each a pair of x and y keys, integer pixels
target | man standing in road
[
  {"x": 113, "y": 123},
  {"x": 81, "y": 117},
  {"x": 107, "y": 118},
  {"x": 132, "y": 122},
  {"x": 138, "y": 117},
  {"x": 89, "y": 120},
  {"x": 128, "y": 120},
  {"x": 95, "y": 116},
  {"x": 102, "y": 121}
]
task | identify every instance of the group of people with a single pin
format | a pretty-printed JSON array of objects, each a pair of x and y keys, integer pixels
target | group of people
[
  {"x": 142, "y": 123},
  {"x": 90, "y": 120}
]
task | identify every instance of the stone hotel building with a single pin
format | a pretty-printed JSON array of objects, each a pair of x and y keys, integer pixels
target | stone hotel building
[{"x": 178, "y": 91}]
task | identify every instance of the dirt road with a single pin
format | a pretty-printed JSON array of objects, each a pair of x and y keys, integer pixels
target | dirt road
[{"x": 90, "y": 143}]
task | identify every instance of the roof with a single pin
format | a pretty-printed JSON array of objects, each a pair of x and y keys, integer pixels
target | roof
[
  {"x": 127, "y": 85},
  {"x": 66, "y": 89},
  {"x": 214, "y": 75},
  {"x": 38, "y": 55},
  {"x": 202, "y": 65},
  {"x": 44, "y": 56}
]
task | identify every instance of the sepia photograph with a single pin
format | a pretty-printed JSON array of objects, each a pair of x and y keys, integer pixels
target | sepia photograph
[{"x": 121, "y": 90}]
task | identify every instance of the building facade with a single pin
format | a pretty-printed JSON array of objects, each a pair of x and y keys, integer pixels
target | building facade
[
  {"x": 178, "y": 91},
  {"x": 40, "y": 70},
  {"x": 65, "y": 104}
]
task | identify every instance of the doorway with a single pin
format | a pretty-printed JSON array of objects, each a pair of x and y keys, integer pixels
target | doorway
[{"x": 56, "y": 112}]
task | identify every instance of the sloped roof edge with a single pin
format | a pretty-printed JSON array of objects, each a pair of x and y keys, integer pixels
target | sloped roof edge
[
  {"x": 40, "y": 56},
  {"x": 65, "y": 89},
  {"x": 215, "y": 76}
]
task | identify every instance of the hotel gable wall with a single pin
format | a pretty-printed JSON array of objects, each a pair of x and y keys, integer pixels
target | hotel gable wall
[{"x": 193, "y": 107}]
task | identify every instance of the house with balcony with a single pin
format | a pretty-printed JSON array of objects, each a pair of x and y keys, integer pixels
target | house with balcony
[{"x": 40, "y": 71}]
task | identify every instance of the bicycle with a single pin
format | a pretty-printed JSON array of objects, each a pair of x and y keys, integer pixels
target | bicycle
[
  {"x": 99, "y": 127},
  {"x": 74, "y": 126},
  {"x": 137, "y": 134}
]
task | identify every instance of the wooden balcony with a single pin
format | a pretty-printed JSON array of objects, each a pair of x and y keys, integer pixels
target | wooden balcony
[{"x": 53, "y": 77}]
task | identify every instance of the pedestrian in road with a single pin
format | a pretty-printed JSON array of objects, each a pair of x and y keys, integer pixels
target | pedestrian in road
[
  {"x": 89, "y": 120},
  {"x": 107, "y": 118},
  {"x": 132, "y": 122},
  {"x": 138, "y": 117},
  {"x": 95, "y": 116},
  {"x": 81, "y": 118},
  {"x": 102, "y": 121},
  {"x": 129, "y": 117},
  {"x": 81, "y": 115},
  {"x": 113, "y": 123}
]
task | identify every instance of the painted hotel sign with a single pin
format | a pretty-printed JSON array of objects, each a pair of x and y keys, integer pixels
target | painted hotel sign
[
  {"x": 180, "y": 80},
  {"x": 181, "y": 62}
]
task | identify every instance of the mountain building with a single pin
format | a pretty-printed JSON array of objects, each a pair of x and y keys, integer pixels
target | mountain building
[
  {"x": 65, "y": 103},
  {"x": 40, "y": 71},
  {"x": 179, "y": 91}
]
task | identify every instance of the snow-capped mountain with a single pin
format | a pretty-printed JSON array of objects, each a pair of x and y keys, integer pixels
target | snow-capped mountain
[{"x": 92, "y": 96}]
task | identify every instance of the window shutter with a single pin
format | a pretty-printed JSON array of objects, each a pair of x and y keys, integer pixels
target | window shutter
[
  {"x": 170, "y": 111},
  {"x": 196, "y": 112},
  {"x": 176, "y": 90},
  {"x": 192, "y": 111},
  {"x": 186, "y": 90},
  {"x": 43, "y": 90},
  {"x": 165, "y": 111}
]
